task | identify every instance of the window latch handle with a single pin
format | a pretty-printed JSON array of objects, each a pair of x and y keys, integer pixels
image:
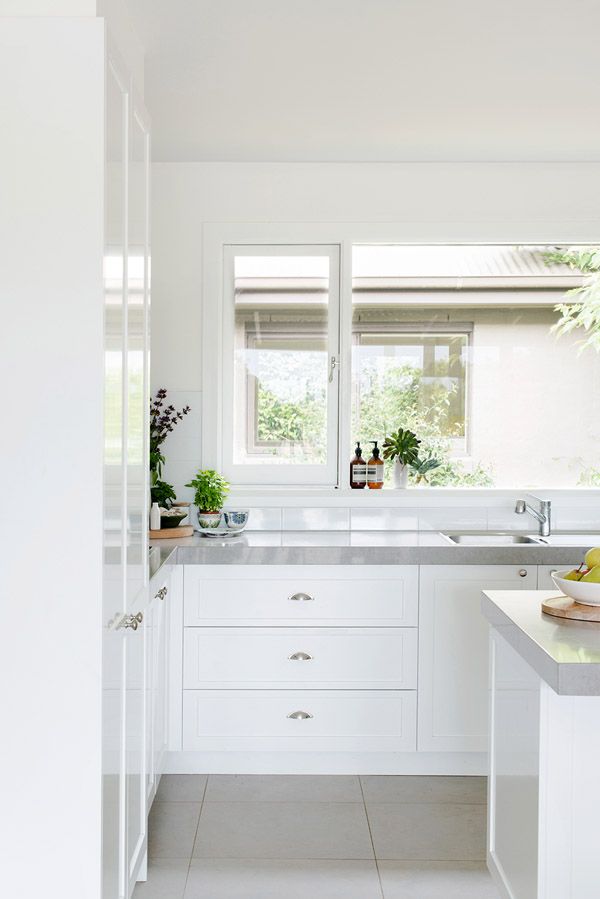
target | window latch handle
[{"x": 332, "y": 365}]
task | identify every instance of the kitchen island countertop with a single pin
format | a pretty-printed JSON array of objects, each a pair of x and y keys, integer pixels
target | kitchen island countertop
[{"x": 564, "y": 652}]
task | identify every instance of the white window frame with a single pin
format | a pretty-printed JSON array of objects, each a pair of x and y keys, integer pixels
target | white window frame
[
  {"x": 219, "y": 320},
  {"x": 345, "y": 234}
]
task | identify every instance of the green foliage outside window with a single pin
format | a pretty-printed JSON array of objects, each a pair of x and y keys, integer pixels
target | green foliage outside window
[
  {"x": 397, "y": 398},
  {"x": 581, "y": 311}
]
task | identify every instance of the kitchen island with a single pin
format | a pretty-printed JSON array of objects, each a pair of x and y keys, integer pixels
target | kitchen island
[{"x": 544, "y": 778}]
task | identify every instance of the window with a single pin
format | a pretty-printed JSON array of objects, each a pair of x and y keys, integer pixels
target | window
[
  {"x": 454, "y": 342},
  {"x": 284, "y": 303},
  {"x": 413, "y": 375}
]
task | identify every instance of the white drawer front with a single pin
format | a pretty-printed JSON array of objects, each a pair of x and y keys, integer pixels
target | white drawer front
[
  {"x": 322, "y": 658},
  {"x": 343, "y": 720},
  {"x": 301, "y": 594}
]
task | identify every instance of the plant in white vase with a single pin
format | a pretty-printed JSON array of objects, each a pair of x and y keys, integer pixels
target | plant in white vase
[{"x": 402, "y": 447}]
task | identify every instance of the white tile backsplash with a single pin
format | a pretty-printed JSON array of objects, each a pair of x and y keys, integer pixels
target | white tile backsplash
[
  {"x": 306, "y": 519},
  {"x": 461, "y": 519},
  {"x": 383, "y": 519},
  {"x": 575, "y": 519},
  {"x": 263, "y": 519}
]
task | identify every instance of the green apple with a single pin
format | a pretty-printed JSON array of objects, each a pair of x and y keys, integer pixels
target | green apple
[
  {"x": 592, "y": 557},
  {"x": 593, "y": 576},
  {"x": 576, "y": 574}
]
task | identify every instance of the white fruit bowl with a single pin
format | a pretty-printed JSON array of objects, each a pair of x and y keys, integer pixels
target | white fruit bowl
[{"x": 586, "y": 593}]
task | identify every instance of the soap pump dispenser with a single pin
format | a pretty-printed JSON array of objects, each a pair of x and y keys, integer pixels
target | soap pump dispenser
[
  {"x": 358, "y": 470},
  {"x": 375, "y": 469}
]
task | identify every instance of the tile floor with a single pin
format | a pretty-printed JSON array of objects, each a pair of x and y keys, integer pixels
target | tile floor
[{"x": 274, "y": 837}]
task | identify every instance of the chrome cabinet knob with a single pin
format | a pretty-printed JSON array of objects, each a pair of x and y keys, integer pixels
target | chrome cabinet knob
[
  {"x": 162, "y": 593},
  {"x": 299, "y": 716},
  {"x": 300, "y": 657},
  {"x": 132, "y": 621},
  {"x": 522, "y": 572},
  {"x": 301, "y": 597}
]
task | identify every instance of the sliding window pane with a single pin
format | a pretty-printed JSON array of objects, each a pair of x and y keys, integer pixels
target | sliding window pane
[{"x": 459, "y": 344}]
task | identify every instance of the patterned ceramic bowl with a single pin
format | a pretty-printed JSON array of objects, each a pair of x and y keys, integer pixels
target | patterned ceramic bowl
[{"x": 236, "y": 521}]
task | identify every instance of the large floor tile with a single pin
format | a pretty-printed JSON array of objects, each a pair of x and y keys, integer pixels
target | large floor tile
[
  {"x": 166, "y": 879},
  {"x": 407, "y": 788},
  {"x": 436, "y": 880},
  {"x": 282, "y": 879},
  {"x": 282, "y": 788},
  {"x": 283, "y": 830},
  {"x": 172, "y": 828},
  {"x": 181, "y": 788},
  {"x": 428, "y": 831}
]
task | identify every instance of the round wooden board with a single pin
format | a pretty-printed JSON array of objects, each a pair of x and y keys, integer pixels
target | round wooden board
[{"x": 565, "y": 607}]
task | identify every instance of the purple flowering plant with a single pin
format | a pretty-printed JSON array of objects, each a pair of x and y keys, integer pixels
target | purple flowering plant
[{"x": 163, "y": 419}]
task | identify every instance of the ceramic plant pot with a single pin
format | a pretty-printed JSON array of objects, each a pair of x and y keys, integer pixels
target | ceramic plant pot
[
  {"x": 399, "y": 475},
  {"x": 208, "y": 520}
]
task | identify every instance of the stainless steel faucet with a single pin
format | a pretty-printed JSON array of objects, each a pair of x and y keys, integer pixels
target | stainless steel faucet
[{"x": 543, "y": 516}]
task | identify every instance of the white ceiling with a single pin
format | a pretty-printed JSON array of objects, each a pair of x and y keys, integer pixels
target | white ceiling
[{"x": 372, "y": 80}]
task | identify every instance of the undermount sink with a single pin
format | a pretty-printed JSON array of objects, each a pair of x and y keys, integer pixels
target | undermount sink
[{"x": 490, "y": 538}]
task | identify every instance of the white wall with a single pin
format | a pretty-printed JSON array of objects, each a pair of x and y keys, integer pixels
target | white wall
[
  {"x": 471, "y": 202},
  {"x": 52, "y": 372}
]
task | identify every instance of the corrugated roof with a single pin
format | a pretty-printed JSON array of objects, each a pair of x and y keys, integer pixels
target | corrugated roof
[{"x": 456, "y": 261}]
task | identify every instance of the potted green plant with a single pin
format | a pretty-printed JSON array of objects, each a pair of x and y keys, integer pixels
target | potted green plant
[
  {"x": 423, "y": 468},
  {"x": 210, "y": 490},
  {"x": 402, "y": 447}
]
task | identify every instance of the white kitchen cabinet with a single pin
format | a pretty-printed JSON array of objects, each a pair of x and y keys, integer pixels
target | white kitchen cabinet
[
  {"x": 453, "y": 652},
  {"x": 287, "y": 658},
  {"x": 303, "y": 595},
  {"x": 134, "y": 835},
  {"x": 157, "y": 678},
  {"x": 129, "y": 623},
  {"x": 545, "y": 581},
  {"x": 300, "y": 720},
  {"x": 336, "y": 642}
]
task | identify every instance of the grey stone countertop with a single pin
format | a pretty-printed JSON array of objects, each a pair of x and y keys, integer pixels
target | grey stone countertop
[
  {"x": 565, "y": 653},
  {"x": 360, "y": 548}
]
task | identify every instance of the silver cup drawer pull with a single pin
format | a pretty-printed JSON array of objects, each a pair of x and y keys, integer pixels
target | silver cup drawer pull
[
  {"x": 300, "y": 657},
  {"x": 301, "y": 597},
  {"x": 299, "y": 715}
]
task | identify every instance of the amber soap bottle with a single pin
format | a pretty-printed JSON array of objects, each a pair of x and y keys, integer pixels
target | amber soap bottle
[
  {"x": 375, "y": 469},
  {"x": 358, "y": 470}
]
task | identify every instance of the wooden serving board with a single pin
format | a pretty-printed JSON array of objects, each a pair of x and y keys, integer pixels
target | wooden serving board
[
  {"x": 184, "y": 530},
  {"x": 565, "y": 607}
]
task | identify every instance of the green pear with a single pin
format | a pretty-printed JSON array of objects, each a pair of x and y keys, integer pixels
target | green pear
[
  {"x": 592, "y": 557},
  {"x": 593, "y": 576},
  {"x": 576, "y": 574}
]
